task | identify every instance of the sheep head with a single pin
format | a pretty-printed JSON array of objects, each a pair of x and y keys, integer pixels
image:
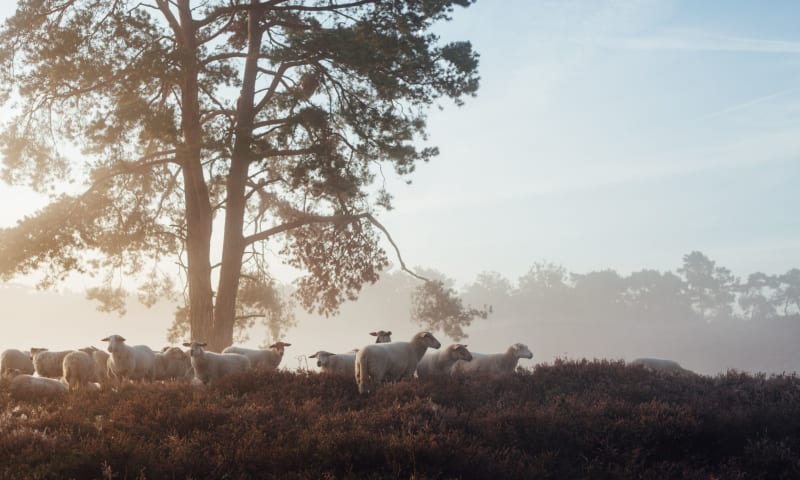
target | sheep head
[
  {"x": 279, "y": 347},
  {"x": 460, "y": 352},
  {"x": 114, "y": 342},
  {"x": 521, "y": 350}
]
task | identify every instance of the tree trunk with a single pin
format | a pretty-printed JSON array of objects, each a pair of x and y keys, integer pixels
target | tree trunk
[
  {"x": 235, "y": 202},
  {"x": 198, "y": 203}
]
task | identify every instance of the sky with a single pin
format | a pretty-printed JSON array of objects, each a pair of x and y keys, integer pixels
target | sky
[{"x": 616, "y": 134}]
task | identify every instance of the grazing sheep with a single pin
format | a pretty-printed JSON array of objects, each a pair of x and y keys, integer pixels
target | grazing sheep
[
  {"x": 390, "y": 361},
  {"x": 129, "y": 362},
  {"x": 47, "y": 363},
  {"x": 336, "y": 363},
  {"x": 266, "y": 359},
  {"x": 661, "y": 365},
  {"x": 209, "y": 366},
  {"x": 345, "y": 363},
  {"x": 28, "y": 387},
  {"x": 438, "y": 364},
  {"x": 78, "y": 367},
  {"x": 13, "y": 359},
  {"x": 382, "y": 336},
  {"x": 172, "y": 363},
  {"x": 493, "y": 364}
]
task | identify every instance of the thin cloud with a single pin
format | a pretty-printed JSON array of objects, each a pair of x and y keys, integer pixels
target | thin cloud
[
  {"x": 746, "y": 104},
  {"x": 695, "y": 41}
]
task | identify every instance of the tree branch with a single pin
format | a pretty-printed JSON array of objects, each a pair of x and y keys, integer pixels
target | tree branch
[{"x": 309, "y": 219}]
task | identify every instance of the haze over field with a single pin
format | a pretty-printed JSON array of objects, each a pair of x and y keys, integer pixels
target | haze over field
[{"x": 606, "y": 135}]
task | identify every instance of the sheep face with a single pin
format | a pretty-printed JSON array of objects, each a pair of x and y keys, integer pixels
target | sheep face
[
  {"x": 195, "y": 348},
  {"x": 382, "y": 336},
  {"x": 322, "y": 357},
  {"x": 428, "y": 340},
  {"x": 279, "y": 347},
  {"x": 34, "y": 351},
  {"x": 460, "y": 352},
  {"x": 521, "y": 351},
  {"x": 115, "y": 342}
]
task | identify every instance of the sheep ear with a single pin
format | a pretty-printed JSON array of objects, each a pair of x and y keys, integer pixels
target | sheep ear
[
  {"x": 121, "y": 338},
  {"x": 104, "y": 339},
  {"x": 374, "y": 334},
  {"x": 389, "y": 332},
  {"x": 202, "y": 344},
  {"x": 313, "y": 356},
  {"x": 287, "y": 344},
  {"x": 187, "y": 344}
]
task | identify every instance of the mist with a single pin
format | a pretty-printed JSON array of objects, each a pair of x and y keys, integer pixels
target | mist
[{"x": 748, "y": 325}]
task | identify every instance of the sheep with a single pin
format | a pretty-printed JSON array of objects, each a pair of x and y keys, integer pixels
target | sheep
[
  {"x": 47, "y": 363},
  {"x": 382, "y": 336},
  {"x": 209, "y": 366},
  {"x": 100, "y": 359},
  {"x": 13, "y": 359},
  {"x": 78, "y": 367},
  {"x": 336, "y": 363},
  {"x": 345, "y": 363},
  {"x": 129, "y": 362},
  {"x": 390, "y": 361},
  {"x": 661, "y": 365},
  {"x": 493, "y": 364},
  {"x": 438, "y": 364},
  {"x": 29, "y": 387},
  {"x": 261, "y": 359},
  {"x": 172, "y": 363}
]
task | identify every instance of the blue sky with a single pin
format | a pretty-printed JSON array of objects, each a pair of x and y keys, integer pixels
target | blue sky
[
  {"x": 608, "y": 134},
  {"x": 615, "y": 134}
]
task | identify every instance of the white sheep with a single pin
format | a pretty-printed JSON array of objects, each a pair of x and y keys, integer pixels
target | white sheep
[
  {"x": 438, "y": 364},
  {"x": 390, "y": 361},
  {"x": 101, "y": 366},
  {"x": 493, "y": 364},
  {"x": 209, "y": 366},
  {"x": 172, "y": 363},
  {"x": 261, "y": 359},
  {"x": 47, "y": 363},
  {"x": 29, "y": 387},
  {"x": 382, "y": 336},
  {"x": 13, "y": 359},
  {"x": 336, "y": 363},
  {"x": 661, "y": 365},
  {"x": 345, "y": 363},
  {"x": 129, "y": 362},
  {"x": 78, "y": 367}
]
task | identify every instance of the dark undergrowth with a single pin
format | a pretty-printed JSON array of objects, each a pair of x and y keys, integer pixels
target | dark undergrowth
[{"x": 572, "y": 419}]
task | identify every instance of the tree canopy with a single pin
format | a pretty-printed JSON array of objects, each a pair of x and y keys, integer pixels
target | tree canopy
[{"x": 275, "y": 117}]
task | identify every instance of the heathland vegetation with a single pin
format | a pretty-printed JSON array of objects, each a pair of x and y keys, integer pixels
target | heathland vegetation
[{"x": 569, "y": 419}]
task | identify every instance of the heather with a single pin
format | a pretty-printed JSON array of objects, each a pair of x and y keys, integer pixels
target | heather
[{"x": 570, "y": 419}]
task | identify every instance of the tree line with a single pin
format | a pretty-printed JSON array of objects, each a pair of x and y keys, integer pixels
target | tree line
[{"x": 698, "y": 292}]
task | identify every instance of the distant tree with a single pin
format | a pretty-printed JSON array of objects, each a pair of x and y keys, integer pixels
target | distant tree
[
  {"x": 710, "y": 288},
  {"x": 786, "y": 297},
  {"x": 489, "y": 288},
  {"x": 754, "y": 297},
  {"x": 656, "y": 296},
  {"x": 544, "y": 291},
  {"x": 278, "y": 115},
  {"x": 598, "y": 295}
]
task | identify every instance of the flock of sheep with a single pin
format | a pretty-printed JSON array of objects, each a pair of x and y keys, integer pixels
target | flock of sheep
[{"x": 41, "y": 373}]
